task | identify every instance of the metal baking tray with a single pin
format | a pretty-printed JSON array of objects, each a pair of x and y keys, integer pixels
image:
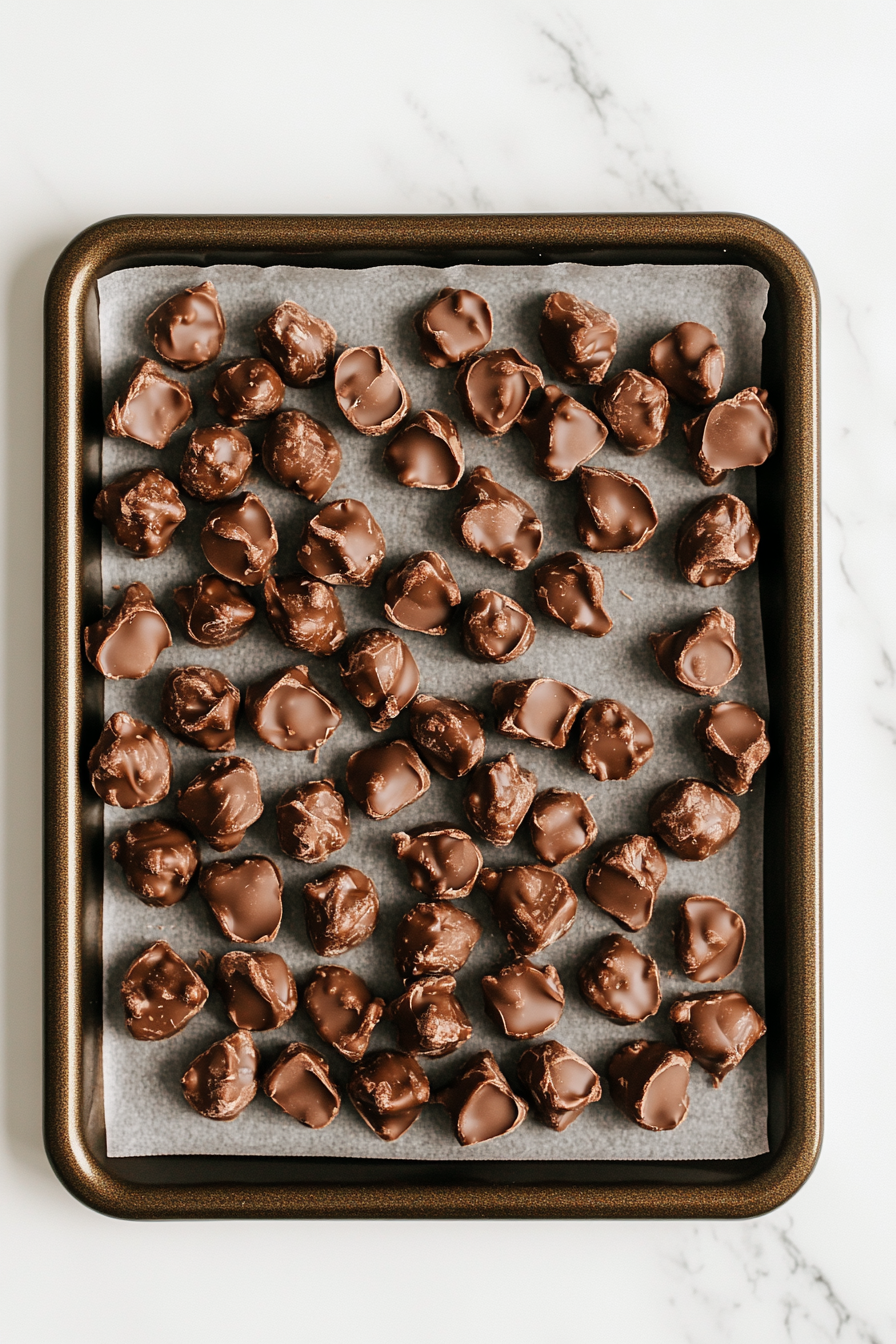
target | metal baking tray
[{"x": 788, "y": 488}]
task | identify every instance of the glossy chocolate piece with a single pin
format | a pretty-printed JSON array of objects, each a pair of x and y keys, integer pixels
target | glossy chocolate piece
[
  {"x": 151, "y": 408},
  {"x": 578, "y": 338},
  {"x": 533, "y": 906},
  {"x": 690, "y": 363},
  {"x": 158, "y": 861},
  {"x": 559, "y": 1083},
  {"x": 385, "y": 778},
  {"x": 215, "y": 462},
  {"x": 625, "y": 878},
  {"x": 649, "y": 1084},
  {"x": 221, "y": 1082},
  {"x": 426, "y": 453},
  {"x": 245, "y": 896},
  {"x": 342, "y": 1010},
  {"x": 429, "y": 1018},
  {"x": 130, "y": 765},
  {"x": 199, "y": 706},
  {"x": 312, "y": 821},
  {"x": 491, "y": 520},
  {"x": 420, "y": 594},
  {"x": 495, "y": 628},
  {"x": 493, "y": 389},
  {"x": 124, "y": 644},
  {"x": 562, "y": 432},
  {"x": 301, "y": 454},
  {"x": 709, "y": 939},
  {"x": 341, "y": 910},
  {"x": 694, "y": 819},
  {"x": 142, "y": 511},
  {"x": 481, "y": 1103},
  {"x": 636, "y": 407},
  {"x": 497, "y": 796},
  {"x": 290, "y": 712},
  {"x": 380, "y": 671},
  {"x": 716, "y": 540},
  {"x": 733, "y": 740},
  {"x": 222, "y": 801},
  {"x": 717, "y": 1030},
  {"x": 343, "y": 544},
  {"x": 214, "y": 611},
  {"x": 388, "y": 1090},
  {"x": 187, "y": 330},
  {"x": 613, "y": 742},
  {"x": 247, "y": 389},
  {"x": 560, "y": 826},
  {"x": 455, "y": 324},
  {"x": 304, "y": 614},
  {"x": 702, "y": 656},
  {"x": 448, "y": 733},
  {"x": 539, "y": 710},
  {"x": 300, "y": 346},
  {"x": 572, "y": 592},
  {"x": 160, "y": 994},
  {"x": 441, "y": 862},
  {"x": 524, "y": 1000},
  {"x": 239, "y": 539},
  {"x": 434, "y": 938},
  {"x": 299, "y": 1083},
  {"x": 616, "y": 512},
  {"x": 258, "y": 990},
  {"x": 739, "y": 432},
  {"x": 368, "y": 390},
  {"x": 620, "y": 981}
]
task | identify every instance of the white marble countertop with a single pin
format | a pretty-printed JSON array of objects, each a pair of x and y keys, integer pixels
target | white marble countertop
[{"x": 780, "y": 111}]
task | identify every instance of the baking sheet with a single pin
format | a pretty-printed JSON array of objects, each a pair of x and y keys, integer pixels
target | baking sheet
[{"x": 144, "y": 1108}]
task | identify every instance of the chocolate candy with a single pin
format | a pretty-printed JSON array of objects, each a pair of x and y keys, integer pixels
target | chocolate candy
[
  {"x": 709, "y": 939},
  {"x": 624, "y": 880},
  {"x": 341, "y": 910},
  {"x": 380, "y": 671},
  {"x": 301, "y": 454},
  {"x": 559, "y": 1082},
  {"x": 717, "y": 540},
  {"x": 388, "y": 1091},
  {"x": 160, "y": 994},
  {"x": 455, "y": 324},
  {"x": 258, "y": 990},
  {"x": 717, "y": 1030},
  {"x": 693, "y": 819},
  {"x": 245, "y": 896},
  {"x": 215, "y": 462},
  {"x": 578, "y": 339},
  {"x": 429, "y": 1018},
  {"x": 300, "y": 346},
  {"x": 142, "y": 511},
  {"x": 448, "y": 733},
  {"x": 290, "y": 712},
  {"x": 616, "y": 512},
  {"x": 496, "y": 629},
  {"x": 199, "y": 706},
  {"x": 491, "y": 520},
  {"x": 222, "y": 801},
  {"x": 702, "y": 656},
  {"x": 158, "y": 861},
  {"x": 215, "y": 613},
  {"x": 481, "y": 1103},
  {"x": 613, "y": 742},
  {"x": 739, "y": 432},
  {"x": 369, "y": 392},
  {"x": 188, "y": 329},
  {"x": 130, "y": 765},
  {"x": 493, "y": 389},
  {"x": 434, "y": 938},
  {"x": 532, "y": 905},
  {"x": 385, "y": 778},
  {"x": 732, "y": 738},
  {"x": 649, "y": 1084},
  {"x": 572, "y": 591},
  {"x": 299, "y": 1082},
  {"x": 523, "y": 999},
  {"x": 343, "y": 544},
  {"x": 497, "y": 796},
  {"x": 312, "y": 821},
  {"x": 125, "y": 643},
  {"x": 342, "y": 1010},
  {"x": 620, "y": 981},
  {"x": 690, "y": 363},
  {"x": 562, "y": 431},
  {"x": 539, "y": 710},
  {"x": 442, "y": 862},
  {"x": 221, "y": 1082},
  {"x": 152, "y": 407},
  {"x": 426, "y": 453},
  {"x": 636, "y": 407},
  {"x": 239, "y": 539},
  {"x": 247, "y": 389},
  {"x": 304, "y": 614},
  {"x": 421, "y": 593},
  {"x": 560, "y": 826}
]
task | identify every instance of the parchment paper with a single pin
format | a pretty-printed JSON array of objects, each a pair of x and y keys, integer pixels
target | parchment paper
[{"x": 144, "y": 1107}]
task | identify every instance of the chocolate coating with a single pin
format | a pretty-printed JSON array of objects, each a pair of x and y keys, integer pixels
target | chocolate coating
[
  {"x": 142, "y": 511},
  {"x": 215, "y": 612},
  {"x": 690, "y": 363},
  {"x": 636, "y": 407},
  {"x": 245, "y": 896},
  {"x": 341, "y": 910},
  {"x": 523, "y": 999},
  {"x": 124, "y": 644},
  {"x": 732, "y": 738},
  {"x": 388, "y": 1091},
  {"x": 539, "y": 710},
  {"x": 290, "y": 712},
  {"x": 301, "y": 454},
  {"x": 702, "y": 656},
  {"x": 559, "y": 1082},
  {"x": 342, "y": 1010},
  {"x": 420, "y": 594},
  {"x": 560, "y": 826},
  {"x": 562, "y": 432},
  {"x": 491, "y": 520},
  {"x": 160, "y": 994},
  {"x": 620, "y": 981},
  {"x": 304, "y": 614},
  {"x": 532, "y": 905},
  {"x": 739, "y": 432},
  {"x": 578, "y": 339},
  {"x": 716, "y": 540},
  {"x": 624, "y": 880},
  {"x": 429, "y": 1018},
  {"x": 222, "y": 801},
  {"x": 572, "y": 592},
  {"x": 368, "y": 390},
  {"x": 239, "y": 539},
  {"x": 312, "y": 821},
  {"x": 497, "y": 797},
  {"x": 380, "y": 671},
  {"x": 455, "y": 324},
  {"x": 649, "y": 1084},
  {"x": 343, "y": 544},
  {"x": 188, "y": 329},
  {"x": 258, "y": 990},
  {"x": 434, "y": 938},
  {"x": 299, "y": 1082},
  {"x": 247, "y": 389},
  {"x": 717, "y": 1030},
  {"x": 616, "y": 511},
  {"x": 426, "y": 453},
  {"x": 481, "y": 1103},
  {"x": 709, "y": 939},
  {"x": 493, "y": 389},
  {"x": 495, "y": 628},
  {"x": 300, "y": 346},
  {"x": 151, "y": 408},
  {"x": 693, "y": 819},
  {"x": 385, "y": 778},
  {"x": 442, "y": 863},
  {"x": 158, "y": 861},
  {"x": 130, "y": 765},
  {"x": 613, "y": 742},
  {"x": 221, "y": 1082},
  {"x": 199, "y": 706},
  {"x": 448, "y": 733},
  {"x": 215, "y": 462}
]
